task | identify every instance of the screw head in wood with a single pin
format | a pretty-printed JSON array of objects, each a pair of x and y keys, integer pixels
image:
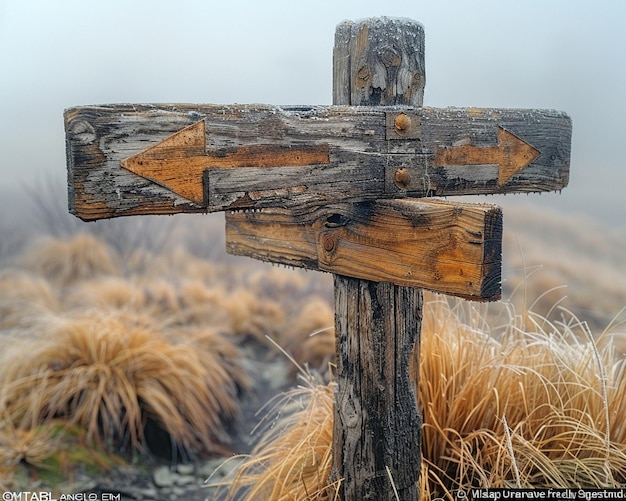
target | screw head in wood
[
  {"x": 402, "y": 122},
  {"x": 402, "y": 178}
]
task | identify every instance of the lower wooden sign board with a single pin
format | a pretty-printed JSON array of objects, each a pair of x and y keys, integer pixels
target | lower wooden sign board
[{"x": 452, "y": 248}]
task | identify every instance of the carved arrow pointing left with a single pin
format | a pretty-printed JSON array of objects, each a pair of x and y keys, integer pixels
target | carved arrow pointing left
[{"x": 178, "y": 162}]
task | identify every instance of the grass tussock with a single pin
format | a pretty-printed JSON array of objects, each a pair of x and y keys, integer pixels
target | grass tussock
[
  {"x": 32, "y": 445},
  {"x": 137, "y": 351},
  {"x": 112, "y": 378},
  {"x": 312, "y": 334},
  {"x": 24, "y": 299},
  {"x": 293, "y": 459},
  {"x": 63, "y": 262},
  {"x": 534, "y": 407},
  {"x": 252, "y": 317}
]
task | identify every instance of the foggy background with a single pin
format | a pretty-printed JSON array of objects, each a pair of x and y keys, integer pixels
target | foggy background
[{"x": 566, "y": 55}]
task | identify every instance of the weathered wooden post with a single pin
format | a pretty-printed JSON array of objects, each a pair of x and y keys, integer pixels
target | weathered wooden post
[
  {"x": 377, "y": 426},
  {"x": 344, "y": 189}
]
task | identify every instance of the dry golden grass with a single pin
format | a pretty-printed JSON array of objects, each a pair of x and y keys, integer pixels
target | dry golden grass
[
  {"x": 528, "y": 409},
  {"x": 293, "y": 459},
  {"x": 171, "y": 265},
  {"x": 113, "y": 354},
  {"x": 24, "y": 298},
  {"x": 31, "y": 445},
  {"x": 533, "y": 407},
  {"x": 106, "y": 293},
  {"x": 63, "y": 262},
  {"x": 202, "y": 304},
  {"x": 217, "y": 344},
  {"x": 311, "y": 334},
  {"x": 513, "y": 395},
  {"x": 111, "y": 377},
  {"x": 254, "y": 316},
  {"x": 279, "y": 284}
]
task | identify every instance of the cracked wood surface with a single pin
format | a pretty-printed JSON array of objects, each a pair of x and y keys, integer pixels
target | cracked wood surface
[
  {"x": 366, "y": 147},
  {"x": 452, "y": 248}
]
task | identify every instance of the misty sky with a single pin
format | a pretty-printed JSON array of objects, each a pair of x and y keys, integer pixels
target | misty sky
[{"x": 563, "y": 54}]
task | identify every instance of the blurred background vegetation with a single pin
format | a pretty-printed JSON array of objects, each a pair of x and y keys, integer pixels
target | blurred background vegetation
[{"x": 140, "y": 337}]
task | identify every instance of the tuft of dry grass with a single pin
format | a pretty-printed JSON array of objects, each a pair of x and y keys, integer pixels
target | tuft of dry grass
[
  {"x": 117, "y": 355},
  {"x": 63, "y": 262},
  {"x": 312, "y": 334},
  {"x": 528, "y": 409},
  {"x": 112, "y": 355},
  {"x": 106, "y": 293},
  {"x": 112, "y": 378},
  {"x": 535, "y": 407},
  {"x": 172, "y": 265},
  {"x": 293, "y": 459},
  {"x": 202, "y": 305},
  {"x": 253, "y": 316},
  {"x": 31, "y": 445},
  {"x": 214, "y": 342},
  {"x": 24, "y": 298}
]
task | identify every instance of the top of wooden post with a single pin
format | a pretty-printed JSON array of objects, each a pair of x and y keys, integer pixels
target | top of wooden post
[{"x": 379, "y": 62}]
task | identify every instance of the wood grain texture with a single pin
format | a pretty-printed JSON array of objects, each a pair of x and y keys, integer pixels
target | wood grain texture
[
  {"x": 377, "y": 423},
  {"x": 379, "y": 62},
  {"x": 452, "y": 248},
  {"x": 365, "y": 151},
  {"x": 178, "y": 162}
]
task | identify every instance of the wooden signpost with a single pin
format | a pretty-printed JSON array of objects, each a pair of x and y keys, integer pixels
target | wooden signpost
[{"x": 345, "y": 189}]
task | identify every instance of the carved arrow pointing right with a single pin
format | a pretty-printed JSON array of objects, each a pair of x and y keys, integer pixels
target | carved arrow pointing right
[{"x": 511, "y": 155}]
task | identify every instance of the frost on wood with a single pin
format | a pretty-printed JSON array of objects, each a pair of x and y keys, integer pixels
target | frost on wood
[
  {"x": 348, "y": 153},
  {"x": 378, "y": 62}
]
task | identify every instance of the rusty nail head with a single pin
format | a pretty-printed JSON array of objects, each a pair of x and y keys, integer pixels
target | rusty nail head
[{"x": 402, "y": 122}]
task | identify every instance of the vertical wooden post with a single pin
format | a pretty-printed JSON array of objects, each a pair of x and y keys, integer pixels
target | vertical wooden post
[{"x": 377, "y": 425}]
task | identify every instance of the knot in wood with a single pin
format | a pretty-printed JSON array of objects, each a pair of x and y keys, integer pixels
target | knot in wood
[
  {"x": 364, "y": 75},
  {"x": 402, "y": 122},
  {"x": 390, "y": 56},
  {"x": 329, "y": 243},
  {"x": 82, "y": 132},
  {"x": 416, "y": 80}
]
